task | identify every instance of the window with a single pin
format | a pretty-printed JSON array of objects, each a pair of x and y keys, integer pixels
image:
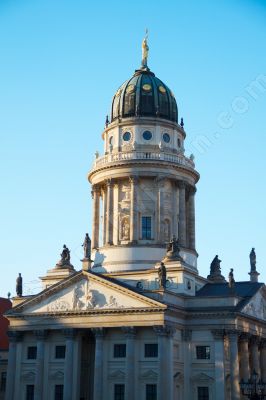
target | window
[
  {"x": 60, "y": 352},
  {"x": 119, "y": 392},
  {"x": 203, "y": 352},
  {"x": 203, "y": 393},
  {"x": 151, "y": 350},
  {"x": 127, "y": 136},
  {"x": 151, "y": 392},
  {"x": 147, "y": 135},
  {"x": 166, "y": 138},
  {"x": 58, "y": 392},
  {"x": 120, "y": 350},
  {"x": 179, "y": 142},
  {"x": 30, "y": 392},
  {"x": 32, "y": 353},
  {"x": 146, "y": 228},
  {"x": 3, "y": 382}
]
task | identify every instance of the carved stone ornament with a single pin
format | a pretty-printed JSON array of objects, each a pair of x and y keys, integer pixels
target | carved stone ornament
[{"x": 173, "y": 251}]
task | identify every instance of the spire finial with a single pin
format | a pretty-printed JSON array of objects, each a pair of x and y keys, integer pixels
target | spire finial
[{"x": 145, "y": 50}]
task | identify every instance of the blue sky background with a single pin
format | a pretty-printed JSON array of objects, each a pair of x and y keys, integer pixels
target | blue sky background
[{"x": 61, "y": 61}]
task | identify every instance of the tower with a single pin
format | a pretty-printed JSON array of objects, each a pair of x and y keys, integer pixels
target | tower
[{"x": 143, "y": 186}]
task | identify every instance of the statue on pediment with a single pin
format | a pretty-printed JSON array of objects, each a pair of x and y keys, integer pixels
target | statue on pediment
[
  {"x": 65, "y": 259},
  {"x": 19, "y": 285},
  {"x": 231, "y": 279},
  {"x": 215, "y": 271},
  {"x": 173, "y": 250},
  {"x": 253, "y": 260},
  {"x": 87, "y": 247},
  {"x": 162, "y": 276}
]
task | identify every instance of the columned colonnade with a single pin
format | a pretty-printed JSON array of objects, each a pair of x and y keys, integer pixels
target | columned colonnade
[{"x": 182, "y": 216}]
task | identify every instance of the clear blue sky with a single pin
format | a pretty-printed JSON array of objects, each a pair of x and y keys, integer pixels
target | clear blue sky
[{"x": 60, "y": 64}]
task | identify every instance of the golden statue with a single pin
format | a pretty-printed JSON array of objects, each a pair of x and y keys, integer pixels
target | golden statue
[{"x": 145, "y": 51}]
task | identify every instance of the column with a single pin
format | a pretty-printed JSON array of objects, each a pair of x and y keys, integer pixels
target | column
[
  {"x": 165, "y": 368},
  {"x": 130, "y": 333},
  {"x": 160, "y": 211},
  {"x": 175, "y": 211},
  {"x": 254, "y": 354},
  {"x": 186, "y": 337},
  {"x": 191, "y": 218},
  {"x": 11, "y": 369},
  {"x": 182, "y": 231},
  {"x": 244, "y": 357},
  {"x": 109, "y": 213},
  {"x": 219, "y": 364},
  {"x": 263, "y": 359},
  {"x": 39, "y": 377},
  {"x": 98, "y": 364},
  {"x": 234, "y": 365},
  {"x": 133, "y": 211},
  {"x": 104, "y": 215},
  {"x": 96, "y": 218},
  {"x": 68, "y": 372}
]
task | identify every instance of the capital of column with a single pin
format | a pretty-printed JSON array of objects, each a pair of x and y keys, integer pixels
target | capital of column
[
  {"x": 186, "y": 335},
  {"x": 109, "y": 182},
  {"x": 165, "y": 330},
  {"x": 41, "y": 334},
  {"x": 133, "y": 179},
  {"x": 95, "y": 190},
  {"x": 192, "y": 190},
  {"x": 129, "y": 331},
  {"x": 14, "y": 336},
  {"x": 244, "y": 337},
  {"x": 263, "y": 344},
  {"x": 98, "y": 332},
  {"x": 233, "y": 334},
  {"x": 218, "y": 334},
  {"x": 182, "y": 184}
]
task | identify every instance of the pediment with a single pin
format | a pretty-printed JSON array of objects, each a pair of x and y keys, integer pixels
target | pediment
[
  {"x": 28, "y": 376},
  {"x": 86, "y": 292},
  {"x": 256, "y": 307},
  {"x": 56, "y": 375},
  {"x": 150, "y": 374},
  {"x": 117, "y": 374},
  {"x": 201, "y": 377}
]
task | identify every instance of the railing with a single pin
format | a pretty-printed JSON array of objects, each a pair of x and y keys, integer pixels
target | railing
[{"x": 141, "y": 155}]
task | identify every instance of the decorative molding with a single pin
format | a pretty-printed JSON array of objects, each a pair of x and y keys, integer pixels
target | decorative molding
[
  {"x": 218, "y": 334},
  {"x": 57, "y": 375},
  {"x": 165, "y": 330},
  {"x": 129, "y": 331},
  {"x": 149, "y": 375},
  {"x": 99, "y": 333},
  {"x": 28, "y": 376},
  {"x": 117, "y": 374},
  {"x": 41, "y": 334},
  {"x": 201, "y": 377}
]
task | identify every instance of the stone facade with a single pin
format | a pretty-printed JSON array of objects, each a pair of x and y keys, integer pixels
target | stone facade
[{"x": 115, "y": 330}]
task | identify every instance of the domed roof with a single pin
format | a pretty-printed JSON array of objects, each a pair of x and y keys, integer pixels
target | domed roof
[{"x": 144, "y": 95}]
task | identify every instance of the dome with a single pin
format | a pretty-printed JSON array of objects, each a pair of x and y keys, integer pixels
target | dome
[{"x": 144, "y": 95}]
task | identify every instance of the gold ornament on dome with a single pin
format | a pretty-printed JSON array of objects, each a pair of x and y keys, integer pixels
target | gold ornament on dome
[
  {"x": 146, "y": 87},
  {"x": 162, "y": 89},
  {"x": 130, "y": 88}
]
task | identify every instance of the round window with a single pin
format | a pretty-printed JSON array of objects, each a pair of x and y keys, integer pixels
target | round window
[
  {"x": 127, "y": 136},
  {"x": 166, "y": 138},
  {"x": 147, "y": 135}
]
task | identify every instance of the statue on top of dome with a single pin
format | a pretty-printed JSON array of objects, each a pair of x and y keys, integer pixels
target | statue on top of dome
[{"x": 145, "y": 51}]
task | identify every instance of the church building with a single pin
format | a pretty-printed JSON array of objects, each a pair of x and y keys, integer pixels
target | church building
[{"x": 137, "y": 321}]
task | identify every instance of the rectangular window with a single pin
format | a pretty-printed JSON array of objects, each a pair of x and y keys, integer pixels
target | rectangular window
[
  {"x": 3, "y": 382},
  {"x": 60, "y": 352},
  {"x": 32, "y": 353},
  {"x": 30, "y": 392},
  {"x": 119, "y": 392},
  {"x": 151, "y": 392},
  {"x": 120, "y": 350},
  {"x": 146, "y": 228},
  {"x": 151, "y": 350},
  {"x": 203, "y": 393},
  {"x": 58, "y": 392},
  {"x": 203, "y": 352}
]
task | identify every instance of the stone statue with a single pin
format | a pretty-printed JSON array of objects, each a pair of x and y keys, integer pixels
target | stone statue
[
  {"x": 145, "y": 51},
  {"x": 231, "y": 279},
  {"x": 253, "y": 260},
  {"x": 162, "y": 275},
  {"x": 65, "y": 255},
  {"x": 216, "y": 266},
  {"x": 125, "y": 230},
  {"x": 19, "y": 285},
  {"x": 215, "y": 271},
  {"x": 173, "y": 250},
  {"x": 87, "y": 247}
]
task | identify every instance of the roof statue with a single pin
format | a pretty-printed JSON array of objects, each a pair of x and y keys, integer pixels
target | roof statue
[
  {"x": 254, "y": 274},
  {"x": 231, "y": 279},
  {"x": 87, "y": 247},
  {"x": 162, "y": 276},
  {"x": 215, "y": 271},
  {"x": 65, "y": 259},
  {"x": 19, "y": 285},
  {"x": 173, "y": 251},
  {"x": 145, "y": 51}
]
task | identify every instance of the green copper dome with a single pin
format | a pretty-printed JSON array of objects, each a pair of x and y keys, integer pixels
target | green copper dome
[{"x": 144, "y": 95}]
